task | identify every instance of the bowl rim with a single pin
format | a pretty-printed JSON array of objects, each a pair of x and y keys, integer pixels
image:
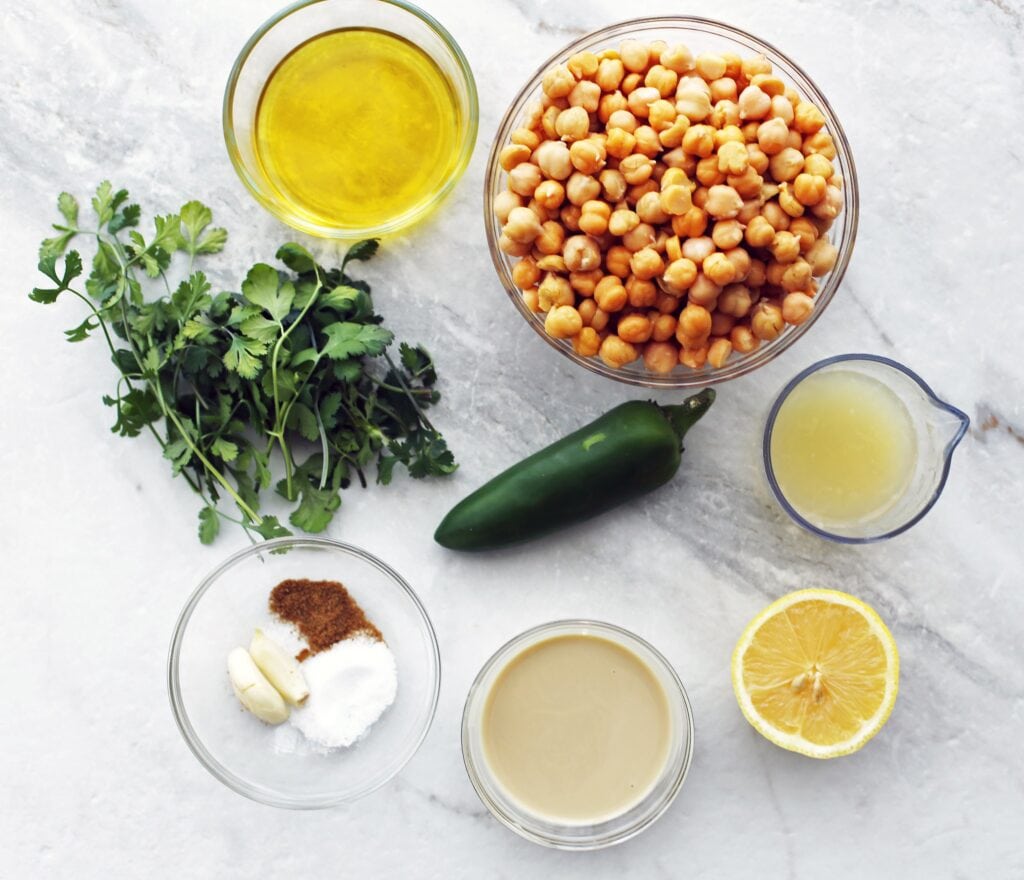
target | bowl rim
[
  {"x": 295, "y": 221},
  {"x": 748, "y": 363},
  {"x": 933, "y": 399},
  {"x": 619, "y": 635},
  {"x": 232, "y": 780}
]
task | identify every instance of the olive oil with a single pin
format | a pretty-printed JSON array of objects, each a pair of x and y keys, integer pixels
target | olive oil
[
  {"x": 843, "y": 448},
  {"x": 356, "y": 128}
]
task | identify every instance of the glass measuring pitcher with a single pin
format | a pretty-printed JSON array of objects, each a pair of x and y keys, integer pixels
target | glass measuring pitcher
[{"x": 857, "y": 447}]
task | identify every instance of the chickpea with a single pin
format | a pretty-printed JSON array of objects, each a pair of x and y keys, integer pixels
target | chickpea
[
  {"x": 754, "y": 65},
  {"x": 570, "y": 217},
  {"x": 594, "y": 217},
  {"x": 677, "y": 58},
  {"x": 723, "y": 202},
  {"x": 636, "y": 168},
  {"x": 679, "y": 158},
  {"x": 806, "y": 231},
  {"x": 558, "y": 82},
  {"x": 675, "y": 200},
  {"x": 642, "y": 293},
  {"x": 786, "y": 165},
  {"x": 610, "y": 72},
  {"x": 733, "y": 158},
  {"x": 718, "y": 352},
  {"x": 639, "y": 101},
  {"x": 634, "y": 328},
  {"x": 649, "y": 209},
  {"x": 756, "y": 277},
  {"x": 532, "y": 116},
  {"x": 708, "y": 173},
  {"x": 735, "y": 300},
  {"x": 641, "y": 236},
  {"x": 691, "y": 224},
  {"x": 797, "y": 276},
  {"x": 809, "y": 189},
  {"x": 584, "y": 282},
  {"x": 723, "y": 89},
  {"x": 819, "y": 143},
  {"x": 547, "y": 121},
  {"x": 797, "y": 308},
  {"x": 694, "y": 357},
  {"x": 721, "y": 323},
  {"x": 785, "y": 247},
  {"x": 587, "y": 309},
  {"x": 830, "y": 206},
  {"x": 661, "y": 115},
  {"x": 793, "y": 139},
  {"x": 749, "y": 130},
  {"x": 788, "y": 202},
  {"x": 748, "y": 184},
  {"x": 634, "y": 55},
  {"x": 573, "y": 124},
  {"x": 727, "y": 234},
  {"x": 754, "y": 103},
  {"x": 616, "y": 260},
  {"x": 751, "y": 209},
  {"x": 582, "y": 188},
  {"x": 613, "y": 184},
  {"x": 771, "y": 136},
  {"x": 622, "y": 221},
  {"x": 778, "y": 218},
  {"x": 723, "y": 114},
  {"x": 586, "y": 343},
  {"x": 647, "y": 141},
  {"x": 694, "y": 323},
  {"x": 807, "y": 119},
  {"x": 646, "y": 263},
  {"x": 512, "y": 155},
  {"x": 531, "y": 299},
  {"x": 582, "y": 65},
  {"x": 774, "y": 271},
  {"x": 698, "y": 248},
  {"x": 563, "y": 322},
  {"x": 581, "y": 253},
  {"x": 719, "y": 269},
  {"x": 525, "y": 273},
  {"x": 609, "y": 104},
  {"x": 743, "y": 340},
  {"x": 523, "y": 225},
  {"x": 549, "y": 195},
  {"x": 822, "y": 256},
  {"x": 663, "y": 327},
  {"x": 667, "y": 304},
  {"x": 660, "y": 357},
  {"x": 616, "y": 352},
  {"x": 585, "y": 94},
  {"x": 819, "y": 166},
  {"x": 524, "y": 178},
  {"x": 704, "y": 292},
  {"x": 610, "y": 294},
  {"x": 554, "y": 291},
  {"x": 710, "y": 66},
  {"x": 620, "y": 143},
  {"x": 699, "y": 140},
  {"x": 504, "y": 202},
  {"x": 672, "y": 137},
  {"x": 694, "y": 105},
  {"x": 526, "y": 138},
  {"x": 662, "y": 79},
  {"x": 551, "y": 238},
  {"x": 600, "y": 320},
  {"x": 679, "y": 275},
  {"x": 781, "y": 109}
]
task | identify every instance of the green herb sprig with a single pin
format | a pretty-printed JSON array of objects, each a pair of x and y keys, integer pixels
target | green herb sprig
[{"x": 293, "y": 366}]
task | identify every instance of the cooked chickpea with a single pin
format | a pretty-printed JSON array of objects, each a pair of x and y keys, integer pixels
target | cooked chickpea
[
  {"x": 735, "y": 300},
  {"x": 807, "y": 119},
  {"x": 548, "y": 118},
  {"x": 733, "y": 158},
  {"x": 721, "y": 323},
  {"x": 771, "y": 136},
  {"x": 805, "y": 230},
  {"x": 622, "y": 221},
  {"x": 694, "y": 323},
  {"x": 525, "y": 273},
  {"x": 662, "y": 79},
  {"x": 778, "y": 218},
  {"x": 636, "y": 168},
  {"x": 587, "y": 156},
  {"x": 620, "y": 143},
  {"x": 718, "y": 352},
  {"x": 594, "y": 217},
  {"x": 523, "y": 225},
  {"x": 513, "y": 155},
  {"x": 581, "y": 253},
  {"x": 786, "y": 164},
  {"x": 587, "y": 343},
  {"x": 741, "y": 262},
  {"x": 504, "y": 202},
  {"x": 698, "y": 248},
  {"x": 554, "y": 291},
  {"x": 751, "y": 209},
  {"x": 723, "y": 202},
  {"x": 793, "y": 139},
  {"x": 600, "y": 320},
  {"x": 616, "y": 260},
  {"x": 788, "y": 202},
  {"x": 797, "y": 276},
  {"x": 558, "y": 82},
  {"x": 748, "y": 184},
  {"x": 719, "y": 269},
  {"x": 551, "y": 238},
  {"x": 582, "y": 188},
  {"x": 742, "y": 340},
  {"x": 677, "y": 58},
  {"x": 710, "y": 66},
  {"x": 830, "y": 206},
  {"x": 704, "y": 292},
  {"x": 524, "y": 178},
  {"x": 727, "y": 234},
  {"x": 585, "y": 94},
  {"x": 708, "y": 173},
  {"x": 640, "y": 236},
  {"x": 552, "y": 157},
  {"x": 531, "y": 299},
  {"x": 766, "y": 321},
  {"x": 663, "y": 326},
  {"x": 694, "y": 357},
  {"x": 610, "y": 294},
  {"x": 809, "y": 189},
  {"x": 660, "y": 356},
  {"x": 587, "y": 309},
  {"x": 647, "y": 141},
  {"x": 563, "y": 322},
  {"x": 679, "y": 275},
  {"x": 781, "y": 109},
  {"x": 584, "y": 282},
  {"x": 819, "y": 143},
  {"x": 610, "y": 72},
  {"x": 525, "y": 137},
  {"x": 691, "y": 224},
  {"x": 757, "y": 274},
  {"x": 634, "y": 55},
  {"x": 699, "y": 140},
  {"x": 650, "y": 210},
  {"x": 573, "y": 124},
  {"x": 694, "y": 105},
  {"x": 582, "y": 65},
  {"x": 570, "y": 217},
  {"x": 819, "y": 166},
  {"x": 797, "y": 308},
  {"x": 616, "y": 352},
  {"x": 672, "y": 137},
  {"x": 785, "y": 247},
  {"x": 642, "y": 293},
  {"x": 646, "y": 263},
  {"x": 639, "y": 101},
  {"x": 549, "y": 195},
  {"x": 634, "y": 328},
  {"x": 822, "y": 256},
  {"x": 754, "y": 103}
]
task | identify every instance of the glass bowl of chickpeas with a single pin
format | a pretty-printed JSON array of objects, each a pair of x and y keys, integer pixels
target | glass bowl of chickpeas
[{"x": 670, "y": 202}]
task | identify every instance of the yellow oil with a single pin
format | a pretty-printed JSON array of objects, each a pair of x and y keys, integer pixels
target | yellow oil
[
  {"x": 357, "y": 127},
  {"x": 843, "y": 448}
]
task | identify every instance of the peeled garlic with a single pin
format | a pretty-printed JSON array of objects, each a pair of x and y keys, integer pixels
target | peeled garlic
[
  {"x": 253, "y": 690},
  {"x": 281, "y": 669}
]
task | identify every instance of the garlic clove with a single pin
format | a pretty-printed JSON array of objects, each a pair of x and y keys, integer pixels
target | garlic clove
[
  {"x": 281, "y": 669},
  {"x": 253, "y": 690}
]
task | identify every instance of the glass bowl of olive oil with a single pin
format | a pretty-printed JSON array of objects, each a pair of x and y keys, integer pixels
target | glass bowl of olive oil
[
  {"x": 350, "y": 119},
  {"x": 857, "y": 447}
]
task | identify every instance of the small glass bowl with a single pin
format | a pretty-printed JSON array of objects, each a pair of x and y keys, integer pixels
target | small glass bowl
[
  {"x": 578, "y": 837},
  {"x": 701, "y": 35},
  {"x": 938, "y": 426},
  {"x": 293, "y": 26},
  {"x": 239, "y": 749}
]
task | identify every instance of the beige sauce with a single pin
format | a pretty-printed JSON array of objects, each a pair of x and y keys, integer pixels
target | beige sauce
[{"x": 576, "y": 729}]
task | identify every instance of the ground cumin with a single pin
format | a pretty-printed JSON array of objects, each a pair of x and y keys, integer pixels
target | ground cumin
[{"x": 323, "y": 611}]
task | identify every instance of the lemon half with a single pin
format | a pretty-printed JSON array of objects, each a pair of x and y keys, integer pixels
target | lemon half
[{"x": 817, "y": 673}]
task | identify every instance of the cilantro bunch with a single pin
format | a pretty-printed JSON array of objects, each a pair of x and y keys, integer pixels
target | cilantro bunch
[{"x": 290, "y": 374}]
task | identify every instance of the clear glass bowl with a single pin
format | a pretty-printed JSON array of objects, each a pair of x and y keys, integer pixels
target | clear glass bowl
[
  {"x": 701, "y": 35},
  {"x": 240, "y": 750},
  {"x": 578, "y": 837},
  {"x": 938, "y": 427},
  {"x": 298, "y": 23}
]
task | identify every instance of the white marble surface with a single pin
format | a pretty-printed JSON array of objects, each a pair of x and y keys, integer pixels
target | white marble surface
[{"x": 99, "y": 544}]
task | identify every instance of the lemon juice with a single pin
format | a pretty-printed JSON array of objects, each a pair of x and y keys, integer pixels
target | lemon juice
[
  {"x": 356, "y": 127},
  {"x": 843, "y": 448}
]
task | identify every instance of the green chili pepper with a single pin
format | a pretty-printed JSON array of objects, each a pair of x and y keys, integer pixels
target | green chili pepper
[{"x": 628, "y": 451}]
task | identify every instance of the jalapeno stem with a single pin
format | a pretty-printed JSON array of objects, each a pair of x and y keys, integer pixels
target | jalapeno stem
[{"x": 684, "y": 415}]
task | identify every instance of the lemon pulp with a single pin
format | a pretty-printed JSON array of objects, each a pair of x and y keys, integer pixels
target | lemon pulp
[{"x": 356, "y": 127}]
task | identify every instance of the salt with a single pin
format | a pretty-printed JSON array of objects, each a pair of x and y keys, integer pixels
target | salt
[{"x": 351, "y": 684}]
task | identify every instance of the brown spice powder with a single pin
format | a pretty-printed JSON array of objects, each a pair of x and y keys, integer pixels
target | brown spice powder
[{"x": 323, "y": 611}]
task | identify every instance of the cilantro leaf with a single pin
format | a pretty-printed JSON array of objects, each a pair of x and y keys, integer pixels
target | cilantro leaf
[
  {"x": 361, "y": 250},
  {"x": 263, "y": 287},
  {"x": 296, "y": 258},
  {"x": 82, "y": 331},
  {"x": 243, "y": 356},
  {"x": 209, "y": 525},
  {"x": 67, "y": 204},
  {"x": 346, "y": 339}
]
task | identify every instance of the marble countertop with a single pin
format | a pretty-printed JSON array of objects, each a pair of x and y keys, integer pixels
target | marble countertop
[{"x": 99, "y": 544}]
